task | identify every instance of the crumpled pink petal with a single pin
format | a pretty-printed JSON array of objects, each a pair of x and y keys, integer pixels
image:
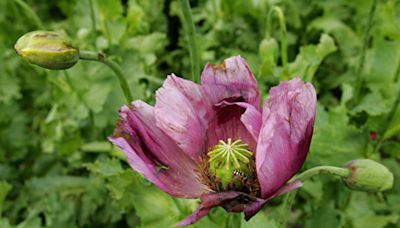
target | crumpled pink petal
[
  {"x": 152, "y": 153},
  {"x": 180, "y": 111},
  {"x": 255, "y": 207},
  {"x": 234, "y": 201},
  {"x": 285, "y": 135},
  {"x": 251, "y": 117},
  {"x": 227, "y": 122},
  {"x": 210, "y": 200},
  {"x": 232, "y": 78}
]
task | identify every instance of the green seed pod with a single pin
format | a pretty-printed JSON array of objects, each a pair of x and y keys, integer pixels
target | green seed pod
[
  {"x": 50, "y": 50},
  {"x": 229, "y": 161},
  {"x": 368, "y": 175}
]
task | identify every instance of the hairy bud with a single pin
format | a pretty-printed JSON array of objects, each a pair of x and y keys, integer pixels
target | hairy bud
[
  {"x": 50, "y": 50},
  {"x": 368, "y": 175}
]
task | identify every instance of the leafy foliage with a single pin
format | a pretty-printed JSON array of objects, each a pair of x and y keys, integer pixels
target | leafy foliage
[{"x": 58, "y": 170}]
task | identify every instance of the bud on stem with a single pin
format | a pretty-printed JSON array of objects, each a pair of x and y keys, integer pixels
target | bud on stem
[
  {"x": 50, "y": 50},
  {"x": 54, "y": 51},
  {"x": 368, "y": 175},
  {"x": 363, "y": 175}
]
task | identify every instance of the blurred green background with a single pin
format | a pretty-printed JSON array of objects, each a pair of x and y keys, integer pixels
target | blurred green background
[{"x": 58, "y": 170}]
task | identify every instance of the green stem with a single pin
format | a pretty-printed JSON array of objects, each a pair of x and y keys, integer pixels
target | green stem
[
  {"x": 342, "y": 172},
  {"x": 289, "y": 198},
  {"x": 100, "y": 57},
  {"x": 32, "y": 14},
  {"x": 234, "y": 220},
  {"x": 285, "y": 209},
  {"x": 389, "y": 122},
  {"x": 367, "y": 36},
  {"x": 191, "y": 33},
  {"x": 282, "y": 23},
  {"x": 92, "y": 15}
]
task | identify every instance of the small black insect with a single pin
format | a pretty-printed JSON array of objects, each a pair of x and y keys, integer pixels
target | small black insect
[{"x": 239, "y": 173}]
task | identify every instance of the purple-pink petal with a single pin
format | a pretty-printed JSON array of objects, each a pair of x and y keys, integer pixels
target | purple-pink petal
[
  {"x": 152, "y": 153},
  {"x": 232, "y": 78},
  {"x": 226, "y": 123},
  {"x": 232, "y": 202},
  {"x": 180, "y": 112},
  {"x": 256, "y": 206},
  {"x": 285, "y": 135}
]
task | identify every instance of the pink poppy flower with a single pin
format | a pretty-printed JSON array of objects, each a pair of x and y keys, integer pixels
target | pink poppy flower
[{"x": 213, "y": 141}]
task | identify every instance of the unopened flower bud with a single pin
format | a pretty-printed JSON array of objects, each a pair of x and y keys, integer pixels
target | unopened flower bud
[
  {"x": 368, "y": 175},
  {"x": 51, "y": 50},
  {"x": 269, "y": 49}
]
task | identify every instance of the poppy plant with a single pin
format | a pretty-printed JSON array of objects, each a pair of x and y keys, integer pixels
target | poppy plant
[{"x": 213, "y": 141}]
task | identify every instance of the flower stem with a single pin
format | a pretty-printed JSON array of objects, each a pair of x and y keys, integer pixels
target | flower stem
[
  {"x": 234, "y": 220},
  {"x": 342, "y": 172},
  {"x": 367, "y": 36},
  {"x": 92, "y": 16},
  {"x": 282, "y": 23},
  {"x": 285, "y": 209},
  {"x": 191, "y": 33},
  {"x": 389, "y": 122},
  {"x": 100, "y": 57},
  {"x": 29, "y": 11},
  {"x": 289, "y": 198}
]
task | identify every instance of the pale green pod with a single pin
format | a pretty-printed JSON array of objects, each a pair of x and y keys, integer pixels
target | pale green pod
[
  {"x": 368, "y": 175},
  {"x": 50, "y": 50},
  {"x": 229, "y": 161}
]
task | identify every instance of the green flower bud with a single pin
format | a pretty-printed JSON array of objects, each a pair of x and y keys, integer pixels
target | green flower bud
[
  {"x": 368, "y": 175},
  {"x": 269, "y": 49},
  {"x": 51, "y": 50}
]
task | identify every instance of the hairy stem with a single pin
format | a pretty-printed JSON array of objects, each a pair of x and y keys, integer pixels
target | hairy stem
[
  {"x": 30, "y": 13},
  {"x": 234, "y": 220},
  {"x": 100, "y": 57},
  {"x": 191, "y": 33},
  {"x": 389, "y": 122},
  {"x": 289, "y": 198},
  {"x": 282, "y": 23},
  {"x": 367, "y": 36},
  {"x": 92, "y": 15},
  {"x": 285, "y": 209},
  {"x": 342, "y": 172}
]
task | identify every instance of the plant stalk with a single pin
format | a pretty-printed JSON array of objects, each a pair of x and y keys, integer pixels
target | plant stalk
[
  {"x": 30, "y": 13},
  {"x": 191, "y": 33},
  {"x": 389, "y": 122},
  {"x": 234, "y": 220},
  {"x": 282, "y": 24},
  {"x": 367, "y": 37},
  {"x": 100, "y": 57},
  {"x": 92, "y": 16},
  {"x": 289, "y": 198}
]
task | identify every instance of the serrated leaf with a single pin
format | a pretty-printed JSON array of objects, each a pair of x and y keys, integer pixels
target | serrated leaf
[
  {"x": 373, "y": 104},
  {"x": 335, "y": 141}
]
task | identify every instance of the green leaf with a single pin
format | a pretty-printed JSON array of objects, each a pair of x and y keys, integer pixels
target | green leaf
[
  {"x": 373, "y": 104},
  {"x": 335, "y": 141},
  {"x": 311, "y": 56},
  {"x": 326, "y": 216},
  {"x": 97, "y": 95},
  {"x": 4, "y": 190}
]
